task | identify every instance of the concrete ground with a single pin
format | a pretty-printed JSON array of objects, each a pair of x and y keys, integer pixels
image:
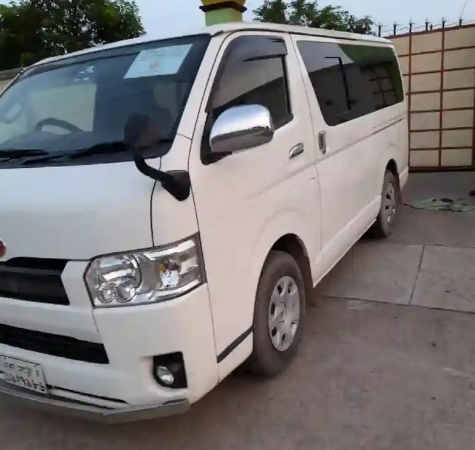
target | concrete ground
[
  {"x": 429, "y": 261},
  {"x": 387, "y": 361}
]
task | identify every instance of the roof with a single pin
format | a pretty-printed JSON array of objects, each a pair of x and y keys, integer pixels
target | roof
[
  {"x": 237, "y": 26},
  {"x": 227, "y": 28}
]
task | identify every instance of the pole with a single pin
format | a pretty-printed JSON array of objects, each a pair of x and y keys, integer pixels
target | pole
[{"x": 223, "y": 11}]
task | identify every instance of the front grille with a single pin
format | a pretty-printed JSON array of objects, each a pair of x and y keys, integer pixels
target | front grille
[
  {"x": 53, "y": 344},
  {"x": 33, "y": 279}
]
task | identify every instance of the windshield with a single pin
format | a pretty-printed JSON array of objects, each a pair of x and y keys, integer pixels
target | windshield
[{"x": 74, "y": 111}]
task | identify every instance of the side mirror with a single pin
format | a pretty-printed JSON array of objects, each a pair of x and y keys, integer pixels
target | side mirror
[
  {"x": 241, "y": 128},
  {"x": 141, "y": 134}
]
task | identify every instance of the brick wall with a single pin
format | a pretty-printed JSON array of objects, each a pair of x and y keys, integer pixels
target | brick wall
[{"x": 439, "y": 76}]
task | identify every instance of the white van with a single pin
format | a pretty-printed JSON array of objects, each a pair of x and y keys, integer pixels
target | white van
[{"x": 167, "y": 206}]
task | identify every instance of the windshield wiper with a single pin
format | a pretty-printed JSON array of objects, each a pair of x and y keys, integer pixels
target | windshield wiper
[
  {"x": 99, "y": 149},
  {"x": 8, "y": 155}
]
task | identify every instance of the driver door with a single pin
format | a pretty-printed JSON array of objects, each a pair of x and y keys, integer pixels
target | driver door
[{"x": 248, "y": 200}]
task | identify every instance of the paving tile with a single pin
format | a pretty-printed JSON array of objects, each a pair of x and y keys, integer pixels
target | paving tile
[
  {"x": 446, "y": 279},
  {"x": 375, "y": 271}
]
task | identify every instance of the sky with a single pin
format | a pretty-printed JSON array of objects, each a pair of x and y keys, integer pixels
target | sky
[{"x": 170, "y": 16}]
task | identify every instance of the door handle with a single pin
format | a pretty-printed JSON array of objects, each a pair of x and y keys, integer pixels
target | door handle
[
  {"x": 296, "y": 150},
  {"x": 322, "y": 142}
]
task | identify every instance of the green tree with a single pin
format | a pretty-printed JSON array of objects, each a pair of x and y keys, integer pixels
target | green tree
[
  {"x": 31, "y": 30},
  {"x": 307, "y": 13}
]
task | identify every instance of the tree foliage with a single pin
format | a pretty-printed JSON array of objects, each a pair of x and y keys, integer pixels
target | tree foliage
[
  {"x": 307, "y": 13},
  {"x": 31, "y": 30}
]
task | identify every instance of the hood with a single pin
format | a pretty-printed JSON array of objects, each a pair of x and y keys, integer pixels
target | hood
[{"x": 74, "y": 212}]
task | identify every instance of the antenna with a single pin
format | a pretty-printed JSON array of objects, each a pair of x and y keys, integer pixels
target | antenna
[{"x": 464, "y": 8}]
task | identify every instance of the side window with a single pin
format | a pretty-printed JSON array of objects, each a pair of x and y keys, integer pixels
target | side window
[
  {"x": 324, "y": 68},
  {"x": 360, "y": 93},
  {"x": 253, "y": 72},
  {"x": 380, "y": 68},
  {"x": 351, "y": 81}
]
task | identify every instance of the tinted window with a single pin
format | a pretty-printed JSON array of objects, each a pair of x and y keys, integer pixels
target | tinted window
[
  {"x": 380, "y": 68},
  {"x": 351, "y": 81},
  {"x": 253, "y": 72}
]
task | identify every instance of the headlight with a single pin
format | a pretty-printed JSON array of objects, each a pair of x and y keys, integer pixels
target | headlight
[{"x": 145, "y": 277}]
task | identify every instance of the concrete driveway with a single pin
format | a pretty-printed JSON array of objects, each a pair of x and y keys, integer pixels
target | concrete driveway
[{"x": 388, "y": 359}]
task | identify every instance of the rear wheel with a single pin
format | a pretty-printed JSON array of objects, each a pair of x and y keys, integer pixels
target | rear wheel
[
  {"x": 278, "y": 315},
  {"x": 390, "y": 203}
]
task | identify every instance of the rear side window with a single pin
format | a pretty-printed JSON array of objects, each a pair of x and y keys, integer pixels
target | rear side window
[
  {"x": 351, "y": 81},
  {"x": 253, "y": 72}
]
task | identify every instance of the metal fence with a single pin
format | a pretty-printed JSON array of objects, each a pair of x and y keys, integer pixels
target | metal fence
[{"x": 412, "y": 27}]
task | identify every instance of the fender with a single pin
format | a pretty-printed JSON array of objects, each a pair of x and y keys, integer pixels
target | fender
[{"x": 281, "y": 224}]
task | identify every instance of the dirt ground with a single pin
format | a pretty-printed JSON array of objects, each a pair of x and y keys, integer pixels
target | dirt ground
[{"x": 387, "y": 361}]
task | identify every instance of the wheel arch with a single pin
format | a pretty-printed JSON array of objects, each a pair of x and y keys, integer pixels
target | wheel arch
[
  {"x": 392, "y": 167},
  {"x": 286, "y": 231},
  {"x": 289, "y": 232},
  {"x": 295, "y": 247}
]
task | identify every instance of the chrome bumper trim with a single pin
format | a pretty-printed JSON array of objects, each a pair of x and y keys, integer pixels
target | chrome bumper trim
[{"x": 119, "y": 415}]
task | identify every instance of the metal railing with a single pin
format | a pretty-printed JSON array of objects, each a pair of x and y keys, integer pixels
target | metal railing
[{"x": 412, "y": 27}]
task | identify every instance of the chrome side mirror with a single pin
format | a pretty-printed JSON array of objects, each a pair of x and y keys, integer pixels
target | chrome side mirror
[{"x": 241, "y": 128}]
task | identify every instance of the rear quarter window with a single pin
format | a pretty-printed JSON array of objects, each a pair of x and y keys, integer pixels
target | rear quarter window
[{"x": 351, "y": 81}]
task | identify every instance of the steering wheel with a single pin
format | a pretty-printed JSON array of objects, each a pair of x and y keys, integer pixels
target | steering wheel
[{"x": 51, "y": 121}]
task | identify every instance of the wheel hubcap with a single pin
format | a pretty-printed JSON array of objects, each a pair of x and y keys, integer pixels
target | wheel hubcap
[
  {"x": 390, "y": 203},
  {"x": 284, "y": 313}
]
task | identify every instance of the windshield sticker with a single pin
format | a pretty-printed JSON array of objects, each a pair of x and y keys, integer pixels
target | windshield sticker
[
  {"x": 86, "y": 74},
  {"x": 158, "y": 61}
]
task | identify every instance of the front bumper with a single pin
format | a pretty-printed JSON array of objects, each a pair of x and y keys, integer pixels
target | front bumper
[
  {"x": 92, "y": 412},
  {"x": 132, "y": 337}
]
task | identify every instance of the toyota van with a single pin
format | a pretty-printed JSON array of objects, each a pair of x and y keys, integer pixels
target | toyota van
[{"x": 167, "y": 207}]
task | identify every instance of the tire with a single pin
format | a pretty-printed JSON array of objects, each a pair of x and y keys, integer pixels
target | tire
[
  {"x": 275, "y": 314},
  {"x": 389, "y": 212}
]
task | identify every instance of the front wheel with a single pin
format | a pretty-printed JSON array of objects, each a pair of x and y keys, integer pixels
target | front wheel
[
  {"x": 278, "y": 315},
  {"x": 390, "y": 203}
]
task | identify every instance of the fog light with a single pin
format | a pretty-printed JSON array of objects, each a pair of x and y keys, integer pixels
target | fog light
[
  {"x": 169, "y": 371},
  {"x": 165, "y": 375}
]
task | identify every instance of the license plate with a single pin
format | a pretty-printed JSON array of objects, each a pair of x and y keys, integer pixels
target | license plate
[{"x": 23, "y": 374}]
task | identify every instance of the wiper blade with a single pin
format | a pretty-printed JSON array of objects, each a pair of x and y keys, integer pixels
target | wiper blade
[
  {"x": 109, "y": 147},
  {"x": 23, "y": 152},
  {"x": 7, "y": 155},
  {"x": 99, "y": 149}
]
